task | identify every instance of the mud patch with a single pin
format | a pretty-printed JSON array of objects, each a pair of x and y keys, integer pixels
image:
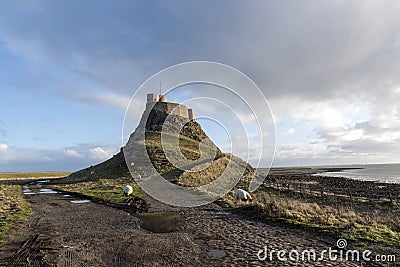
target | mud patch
[
  {"x": 159, "y": 222},
  {"x": 222, "y": 213}
]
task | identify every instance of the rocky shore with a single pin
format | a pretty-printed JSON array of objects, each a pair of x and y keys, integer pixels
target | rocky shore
[{"x": 357, "y": 188}]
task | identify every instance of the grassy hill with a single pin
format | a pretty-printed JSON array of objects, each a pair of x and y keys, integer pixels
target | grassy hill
[{"x": 190, "y": 137}]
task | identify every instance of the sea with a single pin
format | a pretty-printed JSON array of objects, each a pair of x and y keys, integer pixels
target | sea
[{"x": 385, "y": 173}]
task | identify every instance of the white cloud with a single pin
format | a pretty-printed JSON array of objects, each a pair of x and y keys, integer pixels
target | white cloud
[
  {"x": 290, "y": 131},
  {"x": 3, "y": 131},
  {"x": 99, "y": 153},
  {"x": 108, "y": 100},
  {"x": 102, "y": 99},
  {"x": 72, "y": 153},
  {"x": 67, "y": 159},
  {"x": 318, "y": 153},
  {"x": 3, "y": 147}
]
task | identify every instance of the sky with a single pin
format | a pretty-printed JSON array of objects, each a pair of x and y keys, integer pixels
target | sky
[{"x": 329, "y": 70}]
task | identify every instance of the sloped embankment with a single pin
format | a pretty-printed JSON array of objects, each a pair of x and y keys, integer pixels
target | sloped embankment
[{"x": 190, "y": 136}]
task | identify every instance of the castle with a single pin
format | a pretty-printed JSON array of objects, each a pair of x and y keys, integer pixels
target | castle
[{"x": 159, "y": 102}]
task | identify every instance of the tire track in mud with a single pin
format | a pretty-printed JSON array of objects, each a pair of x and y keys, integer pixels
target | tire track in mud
[
  {"x": 68, "y": 259},
  {"x": 25, "y": 252}
]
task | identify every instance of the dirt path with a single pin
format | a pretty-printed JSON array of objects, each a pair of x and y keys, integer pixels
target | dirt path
[{"x": 62, "y": 233}]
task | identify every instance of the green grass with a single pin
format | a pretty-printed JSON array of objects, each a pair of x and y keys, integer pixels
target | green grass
[
  {"x": 13, "y": 208},
  {"x": 109, "y": 190},
  {"x": 378, "y": 223},
  {"x": 29, "y": 175}
]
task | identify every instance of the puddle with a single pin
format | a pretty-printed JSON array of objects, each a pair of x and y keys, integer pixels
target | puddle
[
  {"x": 66, "y": 195},
  {"x": 28, "y": 192},
  {"x": 80, "y": 201},
  {"x": 217, "y": 253},
  {"x": 159, "y": 222},
  {"x": 48, "y": 191}
]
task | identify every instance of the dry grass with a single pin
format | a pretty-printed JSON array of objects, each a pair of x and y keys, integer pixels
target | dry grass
[
  {"x": 13, "y": 208},
  {"x": 110, "y": 190},
  {"x": 209, "y": 174},
  {"x": 30, "y": 175},
  {"x": 363, "y": 222}
]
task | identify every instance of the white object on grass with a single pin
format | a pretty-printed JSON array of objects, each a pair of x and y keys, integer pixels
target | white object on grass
[
  {"x": 243, "y": 195},
  {"x": 128, "y": 190}
]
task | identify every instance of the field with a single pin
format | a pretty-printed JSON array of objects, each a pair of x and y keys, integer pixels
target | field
[
  {"x": 30, "y": 175},
  {"x": 13, "y": 207}
]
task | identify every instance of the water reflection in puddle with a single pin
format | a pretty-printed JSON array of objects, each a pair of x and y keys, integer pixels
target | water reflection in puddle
[
  {"x": 217, "y": 253},
  {"x": 159, "y": 222},
  {"x": 37, "y": 184},
  {"x": 43, "y": 181},
  {"x": 80, "y": 201},
  {"x": 28, "y": 192},
  {"x": 48, "y": 191}
]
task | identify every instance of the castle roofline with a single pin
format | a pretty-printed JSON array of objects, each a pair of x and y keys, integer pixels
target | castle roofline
[{"x": 159, "y": 102}]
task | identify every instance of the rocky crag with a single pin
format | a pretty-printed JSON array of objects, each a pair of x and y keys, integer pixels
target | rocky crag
[{"x": 157, "y": 125}]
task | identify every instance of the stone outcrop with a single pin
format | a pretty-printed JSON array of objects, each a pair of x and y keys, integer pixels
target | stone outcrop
[{"x": 152, "y": 123}]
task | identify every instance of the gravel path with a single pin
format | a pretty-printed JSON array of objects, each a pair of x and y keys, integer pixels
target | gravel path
[{"x": 62, "y": 233}]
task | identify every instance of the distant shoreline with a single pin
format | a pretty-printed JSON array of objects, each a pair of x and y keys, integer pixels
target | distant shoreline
[{"x": 292, "y": 177}]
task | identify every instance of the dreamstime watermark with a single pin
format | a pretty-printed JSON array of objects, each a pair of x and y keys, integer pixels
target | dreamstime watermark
[
  {"x": 339, "y": 253},
  {"x": 217, "y": 93}
]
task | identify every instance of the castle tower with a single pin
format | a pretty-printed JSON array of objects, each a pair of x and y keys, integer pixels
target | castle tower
[
  {"x": 152, "y": 98},
  {"x": 190, "y": 114},
  {"x": 159, "y": 103}
]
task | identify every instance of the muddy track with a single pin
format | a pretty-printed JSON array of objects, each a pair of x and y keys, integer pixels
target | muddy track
[{"x": 61, "y": 233}]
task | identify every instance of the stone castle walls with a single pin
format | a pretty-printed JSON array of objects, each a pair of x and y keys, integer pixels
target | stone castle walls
[
  {"x": 154, "y": 101},
  {"x": 170, "y": 108}
]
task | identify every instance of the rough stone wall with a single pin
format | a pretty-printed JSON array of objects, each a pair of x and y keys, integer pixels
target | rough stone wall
[
  {"x": 170, "y": 108},
  {"x": 152, "y": 98},
  {"x": 179, "y": 110}
]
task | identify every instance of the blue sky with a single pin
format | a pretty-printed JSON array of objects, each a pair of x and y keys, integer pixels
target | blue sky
[{"x": 329, "y": 70}]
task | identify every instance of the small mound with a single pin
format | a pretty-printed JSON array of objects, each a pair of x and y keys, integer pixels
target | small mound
[{"x": 113, "y": 168}]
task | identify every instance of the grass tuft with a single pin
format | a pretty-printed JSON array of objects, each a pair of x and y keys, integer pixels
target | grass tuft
[{"x": 13, "y": 208}]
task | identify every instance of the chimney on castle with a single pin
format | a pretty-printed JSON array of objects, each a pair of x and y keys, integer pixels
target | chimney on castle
[{"x": 190, "y": 114}]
